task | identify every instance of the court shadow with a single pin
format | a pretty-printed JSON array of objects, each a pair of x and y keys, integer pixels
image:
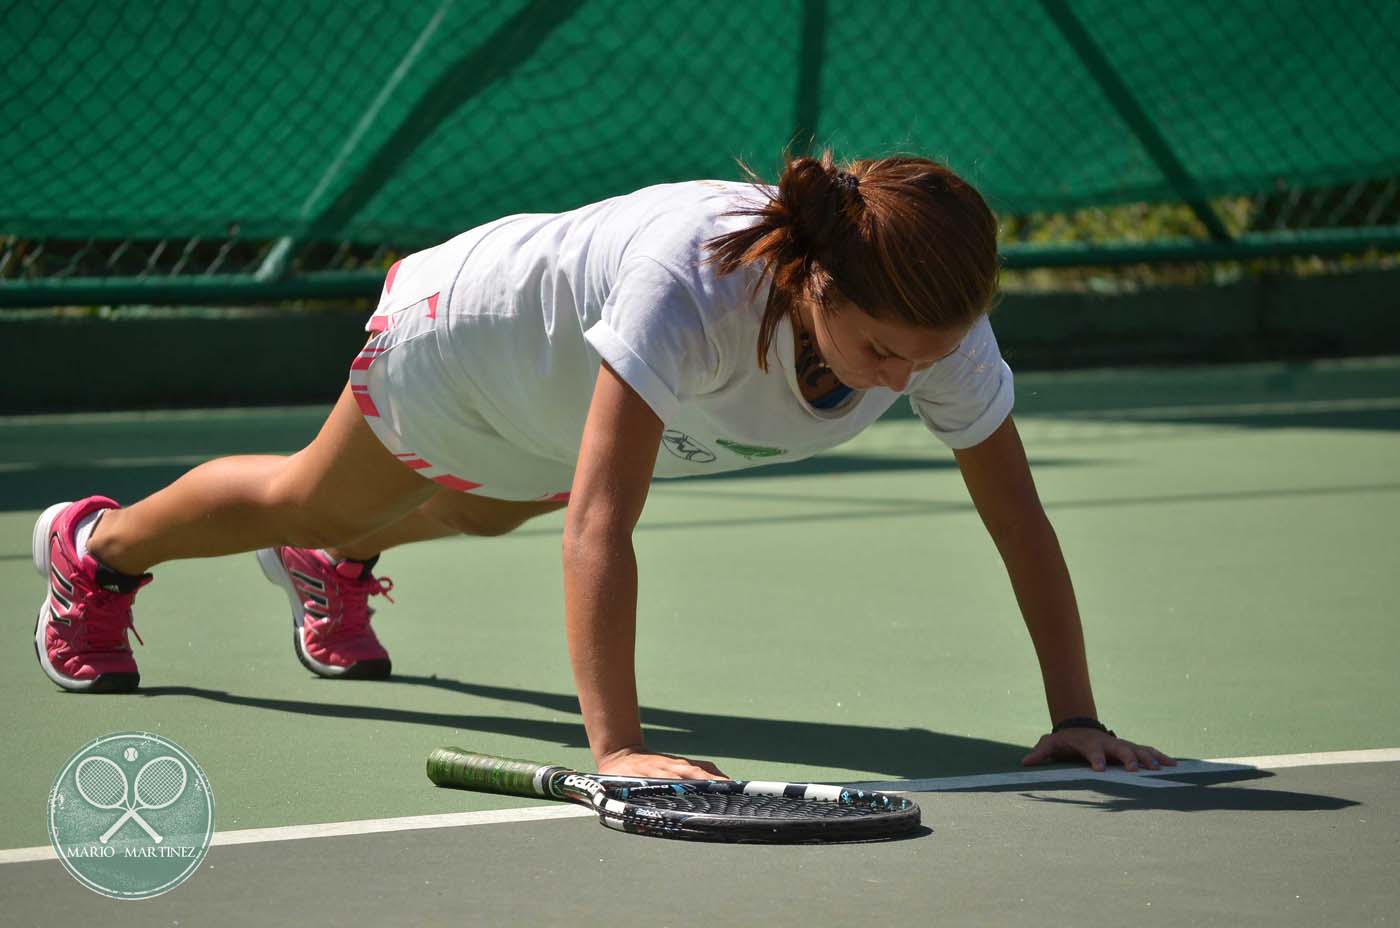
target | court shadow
[
  {"x": 903, "y": 752},
  {"x": 1188, "y": 791},
  {"x": 892, "y": 752},
  {"x": 923, "y": 831},
  {"x": 835, "y": 463},
  {"x": 29, "y": 489},
  {"x": 1198, "y": 798}
]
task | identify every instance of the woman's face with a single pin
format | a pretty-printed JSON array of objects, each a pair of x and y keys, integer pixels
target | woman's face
[{"x": 864, "y": 352}]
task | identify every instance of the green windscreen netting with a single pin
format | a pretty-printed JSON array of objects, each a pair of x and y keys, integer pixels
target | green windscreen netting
[{"x": 264, "y": 147}]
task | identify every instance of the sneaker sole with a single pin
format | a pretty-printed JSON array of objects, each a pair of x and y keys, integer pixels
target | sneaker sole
[
  {"x": 102, "y": 683},
  {"x": 276, "y": 573}
]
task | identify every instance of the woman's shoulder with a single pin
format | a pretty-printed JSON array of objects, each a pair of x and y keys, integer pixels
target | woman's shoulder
[
  {"x": 679, "y": 219},
  {"x": 677, "y": 224}
]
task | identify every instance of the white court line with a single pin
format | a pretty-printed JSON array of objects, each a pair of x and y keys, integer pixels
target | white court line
[
  {"x": 1146, "y": 779},
  {"x": 343, "y": 829},
  {"x": 1228, "y": 410},
  {"x": 408, "y": 823},
  {"x": 1282, "y": 761}
]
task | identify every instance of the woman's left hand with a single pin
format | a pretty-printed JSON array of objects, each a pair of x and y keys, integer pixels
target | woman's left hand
[{"x": 1098, "y": 748}]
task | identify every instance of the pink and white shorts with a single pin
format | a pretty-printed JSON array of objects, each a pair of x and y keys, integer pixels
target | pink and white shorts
[{"x": 423, "y": 409}]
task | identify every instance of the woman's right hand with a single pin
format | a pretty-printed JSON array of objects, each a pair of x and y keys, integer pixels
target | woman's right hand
[{"x": 639, "y": 762}]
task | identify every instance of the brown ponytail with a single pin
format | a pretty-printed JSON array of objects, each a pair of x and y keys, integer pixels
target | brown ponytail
[{"x": 903, "y": 239}]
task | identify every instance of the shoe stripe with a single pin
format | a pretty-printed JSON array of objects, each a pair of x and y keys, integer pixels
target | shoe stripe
[
  {"x": 67, "y": 605},
  {"x": 317, "y": 613},
  {"x": 319, "y": 600},
  {"x": 309, "y": 581},
  {"x": 55, "y": 616},
  {"x": 62, "y": 581}
]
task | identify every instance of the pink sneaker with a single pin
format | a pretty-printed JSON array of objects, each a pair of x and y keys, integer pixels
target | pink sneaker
[
  {"x": 80, "y": 636},
  {"x": 330, "y": 611}
]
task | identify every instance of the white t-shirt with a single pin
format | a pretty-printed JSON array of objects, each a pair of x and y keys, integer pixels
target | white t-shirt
[{"x": 539, "y": 300}]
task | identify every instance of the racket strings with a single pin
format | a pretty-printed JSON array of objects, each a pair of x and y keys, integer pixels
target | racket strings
[{"x": 740, "y": 805}]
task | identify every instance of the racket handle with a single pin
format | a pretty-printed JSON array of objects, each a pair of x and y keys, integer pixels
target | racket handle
[{"x": 487, "y": 773}]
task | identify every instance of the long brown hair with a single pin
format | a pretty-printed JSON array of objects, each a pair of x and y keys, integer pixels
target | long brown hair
[{"x": 902, "y": 238}]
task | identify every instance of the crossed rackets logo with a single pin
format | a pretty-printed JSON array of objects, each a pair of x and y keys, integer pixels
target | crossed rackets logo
[{"x": 103, "y": 784}]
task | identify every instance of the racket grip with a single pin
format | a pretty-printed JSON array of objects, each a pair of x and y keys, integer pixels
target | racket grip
[{"x": 460, "y": 769}]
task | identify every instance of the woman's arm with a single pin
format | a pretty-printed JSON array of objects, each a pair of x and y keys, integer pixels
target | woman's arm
[
  {"x": 998, "y": 477},
  {"x": 620, "y": 442}
]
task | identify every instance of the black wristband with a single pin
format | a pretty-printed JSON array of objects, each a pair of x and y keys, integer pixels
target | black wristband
[{"x": 1082, "y": 721}]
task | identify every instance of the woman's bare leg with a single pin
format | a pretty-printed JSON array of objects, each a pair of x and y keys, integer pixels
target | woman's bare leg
[
  {"x": 449, "y": 512},
  {"x": 342, "y": 486}
]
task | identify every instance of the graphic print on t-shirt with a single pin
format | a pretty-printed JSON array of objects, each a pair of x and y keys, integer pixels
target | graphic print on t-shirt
[
  {"x": 750, "y": 451},
  {"x": 683, "y": 446}
]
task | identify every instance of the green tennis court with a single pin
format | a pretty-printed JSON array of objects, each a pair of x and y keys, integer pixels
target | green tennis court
[
  {"x": 1197, "y": 216},
  {"x": 1232, "y": 536}
]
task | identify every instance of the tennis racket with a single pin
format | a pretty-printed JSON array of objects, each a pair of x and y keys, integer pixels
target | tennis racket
[{"x": 698, "y": 810}]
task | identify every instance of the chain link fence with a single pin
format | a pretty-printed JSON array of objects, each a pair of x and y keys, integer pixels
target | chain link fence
[{"x": 235, "y": 151}]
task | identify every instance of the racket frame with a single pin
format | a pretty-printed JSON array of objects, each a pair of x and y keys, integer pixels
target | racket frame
[{"x": 613, "y": 798}]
